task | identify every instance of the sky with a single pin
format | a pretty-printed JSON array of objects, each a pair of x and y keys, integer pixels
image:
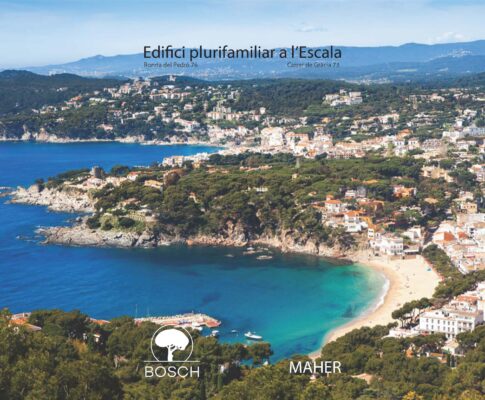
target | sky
[{"x": 41, "y": 32}]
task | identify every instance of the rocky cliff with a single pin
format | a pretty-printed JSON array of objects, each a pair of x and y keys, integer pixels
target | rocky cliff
[
  {"x": 81, "y": 235},
  {"x": 66, "y": 200},
  {"x": 71, "y": 199}
]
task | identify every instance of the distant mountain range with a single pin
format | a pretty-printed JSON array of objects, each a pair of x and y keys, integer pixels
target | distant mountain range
[{"x": 410, "y": 61}]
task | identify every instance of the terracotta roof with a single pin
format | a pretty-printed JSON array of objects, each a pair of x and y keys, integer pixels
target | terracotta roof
[
  {"x": 99, "y": 321},
  {"x": 468, "y": 299},
  {"x": 19, "y": 321},
  {"x": 448, "y": 237},
  {"x": 24, "y": 322},
  {"x": 352, "y": 213}
]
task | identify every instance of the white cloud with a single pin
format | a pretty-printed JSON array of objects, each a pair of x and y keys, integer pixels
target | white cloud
[
  {"x": 306, "y": 28},
  {"x": 449, "y": 37}
]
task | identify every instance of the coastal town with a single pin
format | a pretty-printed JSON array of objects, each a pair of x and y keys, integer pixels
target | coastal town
[
  {"x": 442, "y": 129},
  {"x": 390, "y": 179},
  {"x": 242, "y": 200}
]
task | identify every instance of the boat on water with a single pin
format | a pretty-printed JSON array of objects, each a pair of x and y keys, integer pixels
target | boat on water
[
  {"x": 252, "y": 336},
  {"x": 233, "y": 330},
  {"x": 264, "y": 257},
  {"x": 249, "y": 250},
  {"x": 196, "y": 326},
  {"x": 215, "y": 333}
]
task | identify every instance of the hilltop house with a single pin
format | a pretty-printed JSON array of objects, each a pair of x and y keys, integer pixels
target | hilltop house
[
  {"x": 436, "y": 173},
  {"x": 333, "y": 206},
  {"x": 400, "y": 191},
  {"x": 353, "y": 223}
]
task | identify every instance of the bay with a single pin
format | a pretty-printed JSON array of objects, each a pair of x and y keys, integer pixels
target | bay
[{"x": 291, "y": 300}]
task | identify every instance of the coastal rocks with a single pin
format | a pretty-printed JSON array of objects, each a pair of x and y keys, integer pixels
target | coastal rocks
[
  {"x": 56, "y": 200},
  {"x": 73, "y": 199},
  {"x": 26, "y": 136},
  {"x": 44, "y": 137},
  {"x": 287, "y": 243},
  {"x": 132, "y": 139},
  {"x": 79, "y": 235},
  {"x": 205, "y": 240},
  {"x": 233, "y": 236},
  {"x": 41, "y": 136},
  {"x": 5, "y": 138},
  {"x": 5, "y": 191},
  {"x": 236, "y": 232},
  {"x": 145, "y": 240}
]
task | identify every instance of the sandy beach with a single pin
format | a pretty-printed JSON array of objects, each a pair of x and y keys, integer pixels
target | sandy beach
[{"x": 409, "y": 279}]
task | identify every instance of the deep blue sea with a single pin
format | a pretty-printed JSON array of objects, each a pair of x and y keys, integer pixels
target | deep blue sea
[{"x": 291, "y": 300}]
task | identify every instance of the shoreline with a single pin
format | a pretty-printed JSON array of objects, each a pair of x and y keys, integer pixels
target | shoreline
[
  {"x": 121, "y": 141},
  {"x": 406, "y": 280}
]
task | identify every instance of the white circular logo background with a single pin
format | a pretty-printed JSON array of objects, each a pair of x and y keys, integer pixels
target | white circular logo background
[{"x": 173, "y": 338}]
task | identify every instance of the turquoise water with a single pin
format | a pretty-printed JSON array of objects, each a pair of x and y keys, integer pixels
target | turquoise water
[{"x": 291, "y": 300}]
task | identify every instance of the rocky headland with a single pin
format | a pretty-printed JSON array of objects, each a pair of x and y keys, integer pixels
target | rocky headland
[
  {"x": 63, "y": 200},
  {"x": 69, "y": 199},
  {"x": 81, "y": 235}
]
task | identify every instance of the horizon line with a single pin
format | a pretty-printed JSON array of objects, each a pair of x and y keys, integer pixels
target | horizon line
[{"x": 53, "y": 63}]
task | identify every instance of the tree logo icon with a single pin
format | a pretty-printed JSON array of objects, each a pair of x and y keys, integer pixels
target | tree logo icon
[{"x": 172, "y": 344}]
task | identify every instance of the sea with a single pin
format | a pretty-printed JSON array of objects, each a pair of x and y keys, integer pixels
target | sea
[{"x": 291, "y": 300}]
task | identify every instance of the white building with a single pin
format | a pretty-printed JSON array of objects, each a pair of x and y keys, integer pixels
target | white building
[
  {"x": 402, "y": 333},
  {"x": 272, "y": 137},
  {"x": 174, "y": 161},
  {"x": 450, "y": 320},
  {"x": 387, "y": 244},
  {"x": 188, "y": 126},
  {"x": 333, "y": 206},
  {"x": 415, "y": 234}
]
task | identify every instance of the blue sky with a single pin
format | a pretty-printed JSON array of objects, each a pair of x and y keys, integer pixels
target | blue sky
[{"x": 39, "y": 32}]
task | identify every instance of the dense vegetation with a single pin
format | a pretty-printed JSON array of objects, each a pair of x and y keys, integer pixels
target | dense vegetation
[
  {"x": 75, "y": 358},
  {"x": 21, "y": 90},
  {"x": 286, "y": 96},
  {"x": 251, "y": 196},
  {"x": 299, "y": 97},
  {"x": 288, "y": 99}
]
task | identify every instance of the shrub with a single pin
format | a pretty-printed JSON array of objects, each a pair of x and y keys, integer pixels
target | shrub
[
  {"x": 107, "y": 226},
  {"x": 93, "y": 222},
  {"x": 126, "y": 222}
]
